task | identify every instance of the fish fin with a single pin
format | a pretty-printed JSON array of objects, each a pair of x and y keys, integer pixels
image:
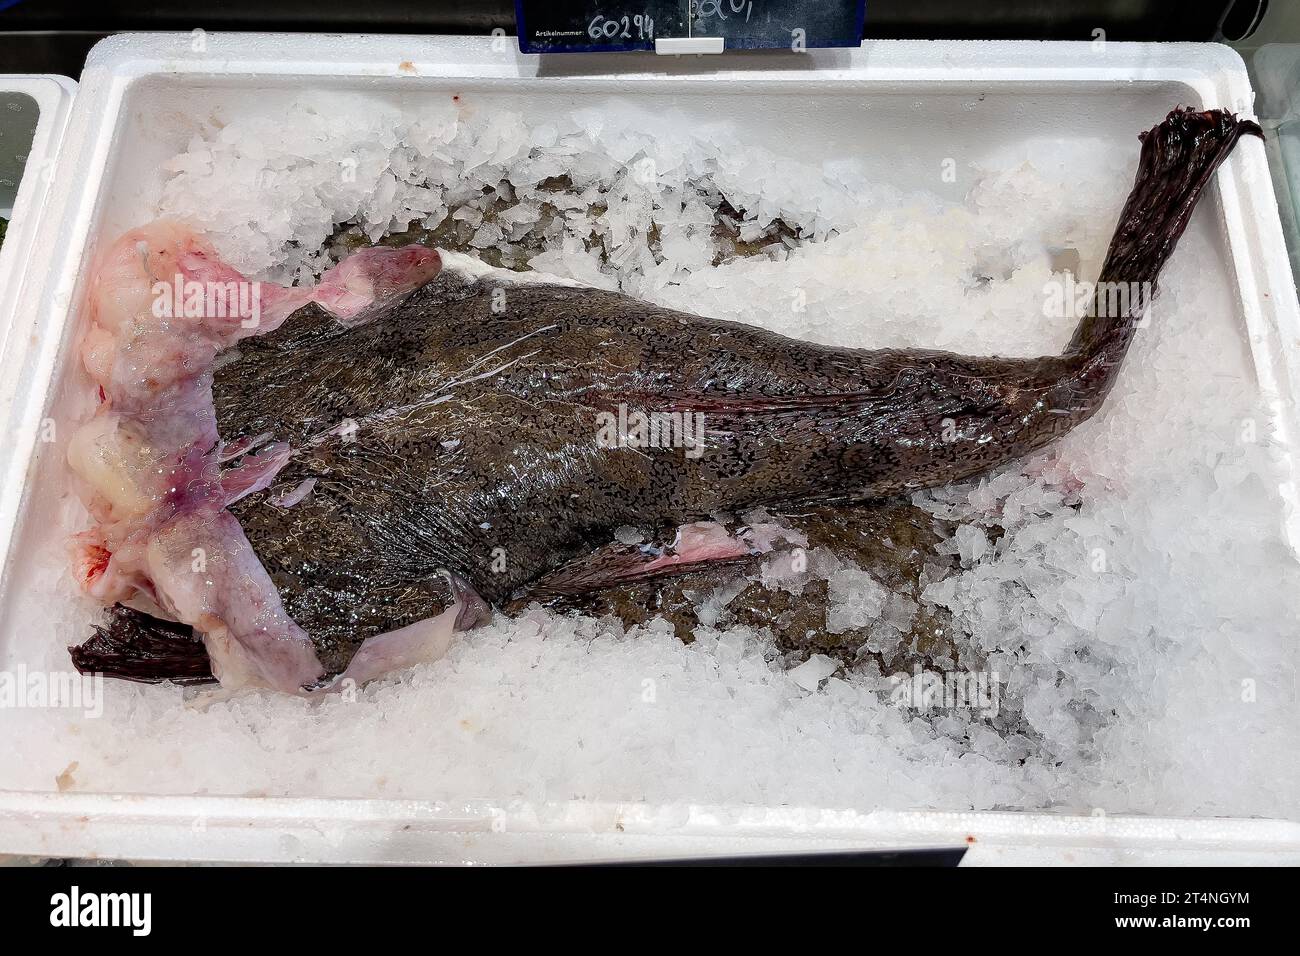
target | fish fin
[
  {"x": 371, "y": 280},
  {"x": 471, "y": 609},
  {"x": 695, "y": 546},
  {"x": 256, "y": 472},
  {"x": 384, "y": 654},
  {"x": 132, "y": 645},
  {"x": 418, "y": 643},
  {"x": 1178, "y": 158}
]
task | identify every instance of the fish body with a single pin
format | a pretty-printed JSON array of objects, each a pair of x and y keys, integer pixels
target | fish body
[
  {"x": 457, "y": 434},
  {"x": 465, "y": 441}
]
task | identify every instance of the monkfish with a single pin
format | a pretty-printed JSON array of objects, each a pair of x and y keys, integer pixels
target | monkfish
[{"x": 294, "y": 487}]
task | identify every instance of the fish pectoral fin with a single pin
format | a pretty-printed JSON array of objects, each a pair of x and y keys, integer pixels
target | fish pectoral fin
[
  {"x": 695, "y": 546},
  {"x": 423, "y": 642},
  {"x": 471, "y": 609}
]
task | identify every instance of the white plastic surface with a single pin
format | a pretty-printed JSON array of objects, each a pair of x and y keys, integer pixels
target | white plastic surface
[
  {"x": 27, "y": 154},
  {"x": 136, "y": 107}
]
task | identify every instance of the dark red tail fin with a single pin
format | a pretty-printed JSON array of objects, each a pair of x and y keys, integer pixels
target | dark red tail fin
[
  {"x": 1178, "y": 158},
  {"x": 134, "y": 646}
]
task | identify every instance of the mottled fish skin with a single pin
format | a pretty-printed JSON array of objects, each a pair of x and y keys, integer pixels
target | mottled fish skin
[{"x": 443, "y": 430}]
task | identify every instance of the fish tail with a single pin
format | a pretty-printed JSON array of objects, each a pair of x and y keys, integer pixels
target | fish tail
[
  {"x": 1178, "y": 158},
  {"x": 132, "y": 645}
]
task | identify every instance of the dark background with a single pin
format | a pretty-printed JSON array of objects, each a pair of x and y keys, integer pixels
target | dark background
[{"x": 40, "y": 36}]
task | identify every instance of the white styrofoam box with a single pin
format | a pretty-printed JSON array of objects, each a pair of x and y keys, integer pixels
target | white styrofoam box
[
  {"x": 33, "y": 113},
  {"x": 143, "y": 96}
]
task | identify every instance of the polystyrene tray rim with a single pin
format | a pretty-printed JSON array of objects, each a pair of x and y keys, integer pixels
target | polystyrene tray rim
[{"x": 358, "y": 830}]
